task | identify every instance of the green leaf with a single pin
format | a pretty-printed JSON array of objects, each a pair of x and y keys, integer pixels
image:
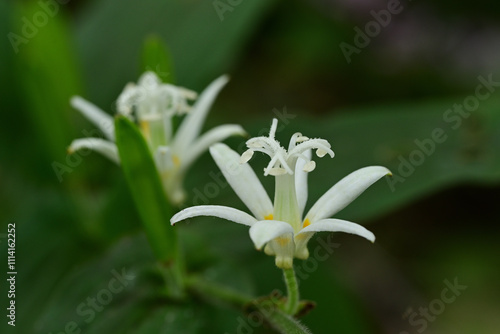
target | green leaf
[
  {"x": 203, "y": 47},
  {"x": 156, "y": 58},
  {"x": 47, "y": 76},
  {"x": 145, "y": 186}
]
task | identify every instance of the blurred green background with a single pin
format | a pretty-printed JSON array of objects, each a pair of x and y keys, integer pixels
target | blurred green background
[{"x": 435, "y": 221}]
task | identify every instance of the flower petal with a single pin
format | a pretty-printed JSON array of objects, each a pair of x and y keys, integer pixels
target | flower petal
[
  {"x": 191, "y": 126},
  {"x": 301, "y": 181},
  {"x": 106, "y": 148},
  {"x": 209, "y": 138},
  {"x": 94, "y": 114},
  {"x": 163, "y": 159},
  {"x": 337, "y": 225},
  {"x": 223, "y": 212},
  {"x": 264, "y": 231},
  {"x": 345, "y": 191},
  {"x": 243, "y": 180}
]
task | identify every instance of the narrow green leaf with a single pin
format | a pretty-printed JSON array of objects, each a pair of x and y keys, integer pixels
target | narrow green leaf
[
  {"x": 144, "y": 184},
  {"x": 156, "y": 58},
  {"x": 47, "y": 76}
]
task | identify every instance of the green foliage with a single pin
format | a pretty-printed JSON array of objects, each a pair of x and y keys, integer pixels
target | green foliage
[
  {"x": 145, "y": 186},
  {"x": 156, "y": 58},
  {"x": 47, "y": 75}
]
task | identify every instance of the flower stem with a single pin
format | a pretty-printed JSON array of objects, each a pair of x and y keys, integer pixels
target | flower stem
[{"x": 292, "y": 287}]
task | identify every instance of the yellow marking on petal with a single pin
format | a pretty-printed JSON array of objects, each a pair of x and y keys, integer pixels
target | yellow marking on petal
[
  {"x": 282, "y": 241},
  {"x": 176, "y": 160},
  {"x": 269, "y": 217},
  {"x": 306, "y": 223},
  {"x": 302, "y": 236},
  {"x": 146, "y": 131}
]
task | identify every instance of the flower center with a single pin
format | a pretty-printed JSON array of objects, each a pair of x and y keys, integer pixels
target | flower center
[
  {"x": 154, "y": 104},
  {"x": 283, "y": 161}
]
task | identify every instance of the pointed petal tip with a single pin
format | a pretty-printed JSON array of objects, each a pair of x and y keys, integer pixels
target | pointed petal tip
[
  {"x": 217, "y": 147},
  {"x": 78, "y": 102},
  {"x": 73, "y": 99},
  {"x": 221, "y": 81},
  {"x": 387, "y": 171}
]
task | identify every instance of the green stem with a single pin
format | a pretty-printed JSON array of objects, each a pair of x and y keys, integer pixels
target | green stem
[
  {"x": 292, "y": 288},
  {"x": 217, "y": 293},
  {"x": 173, "y": 274}
]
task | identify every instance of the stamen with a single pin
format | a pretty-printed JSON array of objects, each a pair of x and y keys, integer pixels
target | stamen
[
  {"x": 293, "y": 140},
  {"x": 274, "y": 126},
  {"x": 275, "y": 171},
  {"x": 253, "y": 143},
  {"x": 302, "y": 139},
  {"x": 283, "y": 161},
  {"x": 151, "y": 98},
  {"x": 310, "y": 166},
  {"x": 246, "y": 156},
  {"x": 320, "y": 153}
]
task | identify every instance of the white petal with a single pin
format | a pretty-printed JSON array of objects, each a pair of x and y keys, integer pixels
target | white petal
[
  {"x": 223, "y": 212},
  {"x": 209, "y": 138},
  {"x": 102, "y": 120},
  {"x": 337, "y": 225},
  {"x": 345, "y": 191},
  {"x": 163, "y": 159},
  {"x": 266, "y": 230},
  {"x": 243, "y": 180},
  {"x": 301, "y": 181},
  {"x": 191, "y": 126},
  {"x": 106, "y": 148}
]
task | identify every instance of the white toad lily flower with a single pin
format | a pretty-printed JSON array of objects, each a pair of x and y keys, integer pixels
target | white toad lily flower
[
  {"x": 153, "y": 104},
  {"x": 282, "y": 227}
]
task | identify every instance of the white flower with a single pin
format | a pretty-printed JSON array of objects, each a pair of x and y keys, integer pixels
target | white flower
[
  {"x": 282, "y": 227},
  {"x": 153, "y": 104}
]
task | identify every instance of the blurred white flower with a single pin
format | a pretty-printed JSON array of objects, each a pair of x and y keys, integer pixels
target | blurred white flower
[{"x": 153, "y": 104}]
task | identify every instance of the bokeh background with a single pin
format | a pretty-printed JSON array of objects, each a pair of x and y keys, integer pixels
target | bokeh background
[{"x": 437, "y": 222}]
